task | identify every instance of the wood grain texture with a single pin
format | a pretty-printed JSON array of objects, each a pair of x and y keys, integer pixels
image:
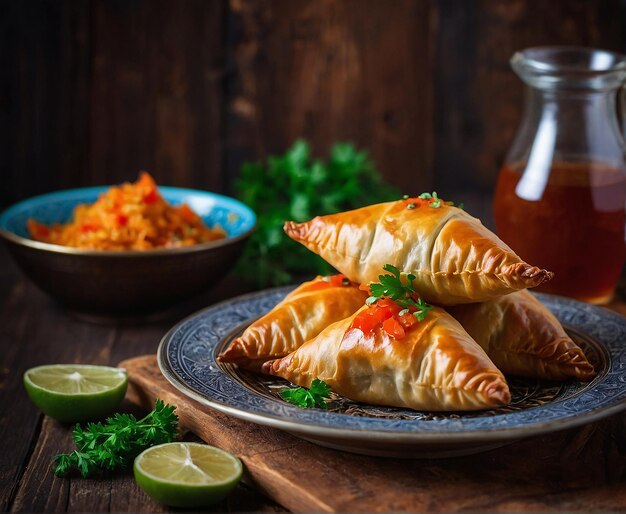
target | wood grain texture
[
  {"x": 335, "y": 70},
  {"x": 581, "y": 469},
  {"x": 46, "y": 492},
  {"x": 156, "y": 99},
  {"x": 93, "y": 92},
  {"x": 90, "y": 92},
  {"x": 33, "y": 331},
  {"x": 43, "y": 88},
  {"x": 479, "y": 99}
]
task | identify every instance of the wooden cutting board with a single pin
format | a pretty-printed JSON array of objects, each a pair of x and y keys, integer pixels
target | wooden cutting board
[{"x": 578, "y": 469}]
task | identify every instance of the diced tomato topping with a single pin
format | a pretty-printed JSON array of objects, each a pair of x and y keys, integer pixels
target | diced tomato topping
[
  {"x": 373, "y": 316},
  {"x": 364, "y": 322},
  {"x": 393, "y": 328},
  {"x": 122, "y": 220},
  {"x": 407, "y": 320},
  {"x": 385, "y": 313},
  {"x": 388, "y": 304},
  {"x": 380, "y": 314}
]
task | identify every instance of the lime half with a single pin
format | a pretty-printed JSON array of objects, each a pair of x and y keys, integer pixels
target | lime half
[
  {"x": 76, "y": 392},
  {"x": 187, "y": 474}
]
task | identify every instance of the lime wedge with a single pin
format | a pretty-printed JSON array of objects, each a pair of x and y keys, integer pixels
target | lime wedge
[
  {"x": 187, "y": 474},
  {"x": 76, "y": 392}
]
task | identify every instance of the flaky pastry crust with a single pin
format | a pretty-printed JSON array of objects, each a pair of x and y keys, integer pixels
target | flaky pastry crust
[
  {"x": 437, "y": 366},
  {"x": 300, "y": 316},
  {"x": 454, "y": 257},
  {"x": 524, "y": 338}
]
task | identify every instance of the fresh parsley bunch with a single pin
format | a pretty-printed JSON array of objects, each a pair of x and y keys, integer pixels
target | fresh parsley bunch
[
  {"x": 114, "y": 445},
  {"x": 295, "y": 187}
]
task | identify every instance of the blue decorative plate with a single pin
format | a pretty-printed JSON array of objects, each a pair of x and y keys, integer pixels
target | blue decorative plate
[{"x": 187, "y": 358}]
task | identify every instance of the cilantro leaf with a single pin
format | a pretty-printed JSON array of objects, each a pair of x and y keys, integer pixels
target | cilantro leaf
[
  {"x": 401, "y": 291},
  {"x": 422, "y": 309},
  {"x": 294, "y": 186},
  {"x": 113, "y": 445},
  {"x": 308, "y": 398}
]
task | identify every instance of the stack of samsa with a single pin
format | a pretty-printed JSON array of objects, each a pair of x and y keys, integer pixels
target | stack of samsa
[{"x": 483, "y": 322}]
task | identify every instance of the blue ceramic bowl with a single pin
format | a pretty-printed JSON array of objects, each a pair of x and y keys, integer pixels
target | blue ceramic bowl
[{"x": 114, "y": 283}]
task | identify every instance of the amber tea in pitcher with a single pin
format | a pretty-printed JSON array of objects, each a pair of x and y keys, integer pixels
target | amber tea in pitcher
[
  {"x": 560, "y": 198},
  {"x": 577, "y": 227}
]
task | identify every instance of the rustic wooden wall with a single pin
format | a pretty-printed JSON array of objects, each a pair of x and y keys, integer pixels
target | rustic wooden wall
[{"x": 91, "y": 92}]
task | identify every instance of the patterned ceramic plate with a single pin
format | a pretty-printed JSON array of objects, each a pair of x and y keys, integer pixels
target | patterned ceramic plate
[{"x": 187, "y": 358}]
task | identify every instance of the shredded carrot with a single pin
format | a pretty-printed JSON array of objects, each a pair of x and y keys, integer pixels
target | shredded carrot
[{"x": 129, "y": 217}]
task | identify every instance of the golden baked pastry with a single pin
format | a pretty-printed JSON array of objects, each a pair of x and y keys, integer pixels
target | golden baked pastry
[
  {"x": 454, "y": 257},
  {"x": 522, "y": 337},
  {"x": 430, "y": 365},
  {"x": 300, "y": 316}
]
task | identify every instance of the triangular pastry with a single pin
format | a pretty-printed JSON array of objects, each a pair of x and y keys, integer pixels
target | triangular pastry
[
  {"x": 524, "y": 338},
  {"x": 433, "y": 365},
  {"x": 454, "y": 257},
  {"x": 300, "y": 316}
]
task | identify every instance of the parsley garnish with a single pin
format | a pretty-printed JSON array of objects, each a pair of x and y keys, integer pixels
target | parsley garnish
[
  {"x": 308, "y": 398},
  {"x": 435, "y": 201},
  {"x": 295, "y": 186},
  {"x": 115, "y": 444},
  {"x": 393, "y": 287}
]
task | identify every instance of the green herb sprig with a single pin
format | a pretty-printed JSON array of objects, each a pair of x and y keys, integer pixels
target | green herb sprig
[
  {"x": 402, "y": 292},
  {"x": 436, "y": 202},
  {"x": 296, "y": 187},
  {"x": 308, "y": 398},
  {"x": 112, "y": 446}
]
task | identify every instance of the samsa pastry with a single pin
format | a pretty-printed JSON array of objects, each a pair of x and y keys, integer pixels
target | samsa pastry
[
  {"x": 383, "y": 356},
  {"x": 300, "y": 316},
  {"x": 524, "y": 338},
  {"x": 454, "y": 258}
]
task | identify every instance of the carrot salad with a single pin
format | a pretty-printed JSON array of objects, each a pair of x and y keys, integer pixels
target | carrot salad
[{"x": 129, "y": 217}]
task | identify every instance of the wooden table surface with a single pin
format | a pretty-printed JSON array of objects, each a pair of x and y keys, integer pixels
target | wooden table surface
[{"x": 33, "y": 331}]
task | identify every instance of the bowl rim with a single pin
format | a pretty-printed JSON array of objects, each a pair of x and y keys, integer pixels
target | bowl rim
[{"x": 116, "y": 254}]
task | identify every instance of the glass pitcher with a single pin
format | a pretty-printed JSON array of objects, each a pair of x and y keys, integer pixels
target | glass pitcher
[{"x": 561, "y": 194}]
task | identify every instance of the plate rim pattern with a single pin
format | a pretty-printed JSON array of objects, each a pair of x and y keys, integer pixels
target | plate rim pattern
[{"x": 213, "y": 323}]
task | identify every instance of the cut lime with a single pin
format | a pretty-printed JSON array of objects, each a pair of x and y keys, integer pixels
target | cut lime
[
  {"x": 76, "y": 392},
  {"x": 187, "y": 474}
]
